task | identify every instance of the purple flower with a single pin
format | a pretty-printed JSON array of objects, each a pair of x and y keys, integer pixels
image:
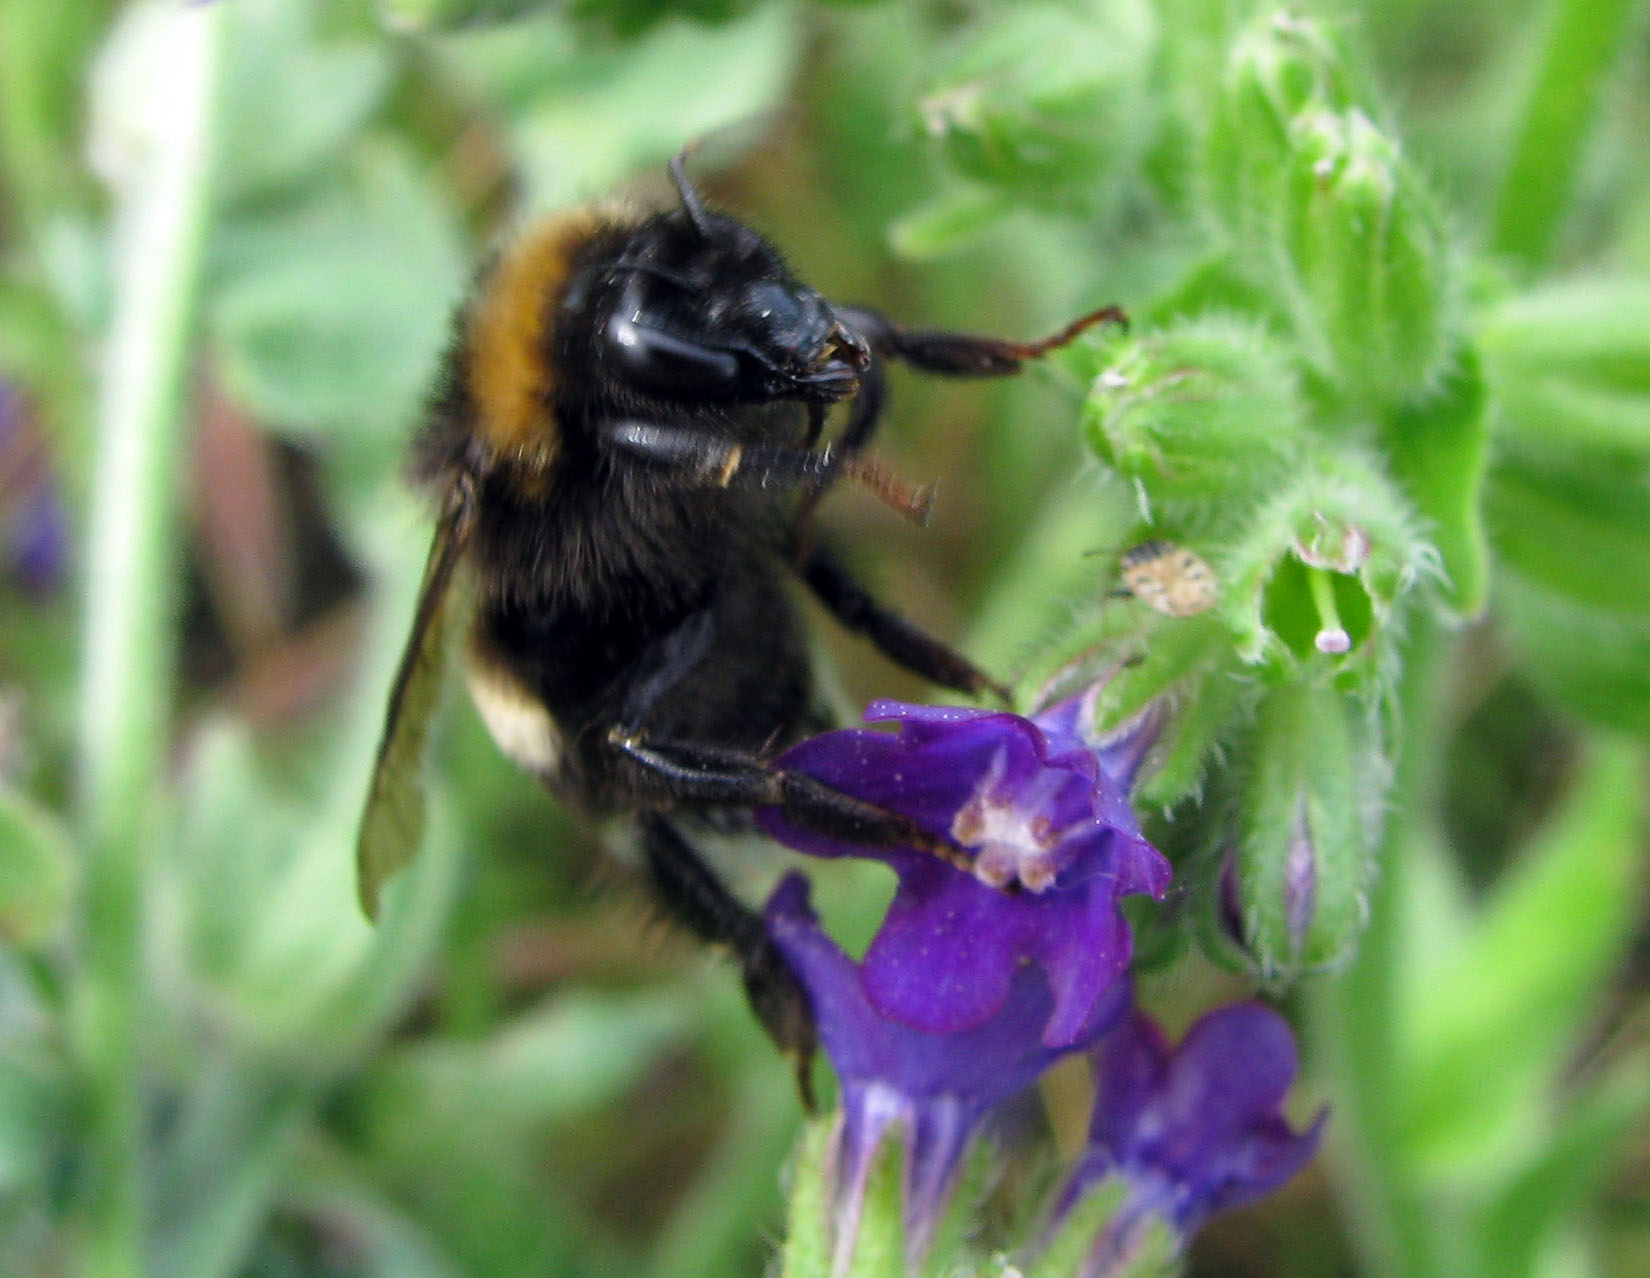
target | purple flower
[
  {"x": 1192, "y": 1130},
  {"x": 1039, "y": 804},
  {"x": 937, "y": 1088},
  {"x": 34, "y": 526}
]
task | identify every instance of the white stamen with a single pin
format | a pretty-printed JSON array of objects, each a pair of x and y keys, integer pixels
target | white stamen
[{"x": 1333, "y": 642}]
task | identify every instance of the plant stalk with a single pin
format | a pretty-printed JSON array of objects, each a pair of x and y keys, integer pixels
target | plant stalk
[{"x": 161, "y": 210}]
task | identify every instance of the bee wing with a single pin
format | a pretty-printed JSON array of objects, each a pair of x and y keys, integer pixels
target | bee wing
[{"x": 392, "y": 827}]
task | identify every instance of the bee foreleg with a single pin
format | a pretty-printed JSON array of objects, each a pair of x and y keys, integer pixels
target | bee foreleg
[{"x": 964, "y": 354}]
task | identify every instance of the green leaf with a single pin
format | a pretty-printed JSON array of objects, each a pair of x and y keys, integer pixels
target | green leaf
[
  {"x": 1207, "y": 410},
  {"x": 582, "y": 117},
  {"x": 1277, "y": 67},
  {"x": 1439, "y": 448},
  {"x": 1080, "y": 1230},
  {"x": 560, "y": 1061},
  {"x": 948, "y": 221},
  {"x": 38, "y": 872},
  {"x": 806, "y": 1252},
  {"x": 36, "y": 1121},
  {"x": 1566, "y": 1173},
  {"x": 878, "y": 1246},
  {"x": 630, "y": 18},
  {"x": 466, "y": 1131},
  {"x": 1530, "y": 973},
  {"x": 328, "y": 316},
  {"x": 1592, "y": 661},
  {"x": 1578, "y": 530},
  {"x": 290, "y": 99},
  {"x": 1180, "y": 652},
  {"x": 1570, "y": 365},
  {"x": 1371, "y": 283},
  {"x": 729, "y": 1207},
  {"x": 1581, "y": 41},
  {"x": 1204, "y": 712},
  {"x": 446, "y": 15},
  {"x": 1336, "y": 546}
]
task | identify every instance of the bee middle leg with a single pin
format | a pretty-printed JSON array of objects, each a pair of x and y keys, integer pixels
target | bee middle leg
[
  {"x": 685, "y": 774},
  {"x": 898, "y": 639}
]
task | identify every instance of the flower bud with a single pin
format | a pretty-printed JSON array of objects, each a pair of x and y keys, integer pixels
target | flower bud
[
  {"x": 1321, "y": 569},
  {"x": 1281, "y": 66},
  {"x": 1294, "y": 888},
  {"x": 1327, "y": 215},
  {"x": 1046, "y": 100},
  {"x": 1371, "y": 293},
  {"x": 1206, "y": 410}
]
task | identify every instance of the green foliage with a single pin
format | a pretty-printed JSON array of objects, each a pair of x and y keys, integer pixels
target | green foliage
[{"x": 37, "y": 872}]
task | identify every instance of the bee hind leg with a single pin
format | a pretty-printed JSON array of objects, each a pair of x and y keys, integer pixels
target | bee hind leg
[{"x": 696, "y": 898}]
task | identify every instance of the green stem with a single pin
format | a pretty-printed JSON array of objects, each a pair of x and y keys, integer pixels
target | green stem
[
  {"x": 1330, "y": 630},
  {"x": 161, "y": 214},
  {"x": 1584, "y": 39},
  {"x": 1355, "y": 1015}
]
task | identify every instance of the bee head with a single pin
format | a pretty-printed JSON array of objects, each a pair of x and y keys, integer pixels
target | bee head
[{"x": 701, "y": 308}]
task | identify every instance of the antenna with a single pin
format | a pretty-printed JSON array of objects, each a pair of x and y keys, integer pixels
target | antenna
[{"x": 692, "y": 204}]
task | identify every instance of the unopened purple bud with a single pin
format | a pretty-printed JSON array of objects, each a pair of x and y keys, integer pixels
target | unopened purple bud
[
  {"x": 1300, "y": 881},
  {"x": 1294, "y": 892}
]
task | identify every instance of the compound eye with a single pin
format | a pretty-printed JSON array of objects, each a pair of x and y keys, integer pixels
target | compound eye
[
  {"x": 664, "y": 364},
  {"x": 780, "y": 311}
]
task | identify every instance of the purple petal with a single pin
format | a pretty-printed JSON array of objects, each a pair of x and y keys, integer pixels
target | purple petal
[
  {"x": 1233, "y": 1068},
  {"x": 1119, "y": 753},
  {"x": 942, "y": 961},
  {"x": 40, "y": 540},
  {"x": 951, "y": 947},
  {"x": 886, "y": 710},
  {"x": 1199, "y": 1128},
  {"x": 1129, "y": 1063}
]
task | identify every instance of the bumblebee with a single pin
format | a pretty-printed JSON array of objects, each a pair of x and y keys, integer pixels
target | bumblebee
[
  {"x": 626, "y": 440},
  {"x": 1168, "y": 578}
]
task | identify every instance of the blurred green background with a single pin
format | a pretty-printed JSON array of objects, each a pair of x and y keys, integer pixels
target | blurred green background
[{"x": 232, "y": 236}]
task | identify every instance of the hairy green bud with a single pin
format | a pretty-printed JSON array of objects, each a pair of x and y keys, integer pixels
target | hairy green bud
[
  {"x": 1281, "y": 66},
  {"x": 1328, "y": 216},
  {"x": 1319, "y": 573},
  {"x": 1369, "y": 262},
  {"x": 1206, "y": 410},
  {"x": 1294, "y": 889},
  {"x": 1047, "y": 99}
]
